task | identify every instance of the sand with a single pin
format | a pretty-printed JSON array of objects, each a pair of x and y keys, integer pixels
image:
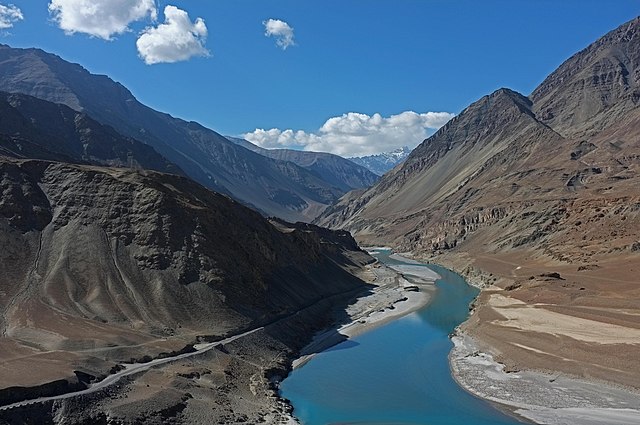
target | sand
[
  {"x": 536, "y": 318},
  {"x": 541, "y": 397},
  {"x": 393, "y": 297}
]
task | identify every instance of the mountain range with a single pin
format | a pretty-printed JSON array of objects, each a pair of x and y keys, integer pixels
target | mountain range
[
  {"x": 274, "y": 187},
  {"x": 129, "y": 235},
  {"x": 341, "y": 173},
  {"x": 537, "y": 196},
  {"x": 126, "y": 238},
  {"x": 381, "y": 163}
]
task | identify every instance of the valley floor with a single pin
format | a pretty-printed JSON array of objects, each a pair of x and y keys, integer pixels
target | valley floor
[
  {"x": 555, "y": 342},
  {"x": 542, "y": 397}
]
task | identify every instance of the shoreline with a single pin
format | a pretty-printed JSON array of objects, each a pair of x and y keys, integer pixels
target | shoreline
[
  {"x": 540, "y": 397},
  {"x": 536, "y": 396},
  {"x": 390, "y": 300},
  {"x": 400, "y": 290},
  {"x": 531, "y": 396}
]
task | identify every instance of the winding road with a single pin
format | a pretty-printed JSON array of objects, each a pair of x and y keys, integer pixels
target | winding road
[{"x": 130, "y": 369}]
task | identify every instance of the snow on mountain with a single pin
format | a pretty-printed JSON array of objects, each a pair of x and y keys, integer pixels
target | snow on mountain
[{"x": 383, "y": 162}]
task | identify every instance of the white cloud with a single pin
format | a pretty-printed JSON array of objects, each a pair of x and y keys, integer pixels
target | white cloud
[
  {"x": 355, "y": 134},
  {"x": 9, "y": 15},
  {"x": 100, "y": 18},
  {"x": 281, "y": 31},
  {"x": 178, "y": 39}
]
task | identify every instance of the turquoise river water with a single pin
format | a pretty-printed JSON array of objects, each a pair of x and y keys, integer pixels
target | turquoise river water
[{"x": 396, "y": 374}]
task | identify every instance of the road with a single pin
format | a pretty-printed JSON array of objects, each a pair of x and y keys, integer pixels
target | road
[{"x": 130, "y": 369}]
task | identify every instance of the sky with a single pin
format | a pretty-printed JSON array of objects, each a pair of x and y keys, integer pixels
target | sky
[{"x": 352, "y": 77}]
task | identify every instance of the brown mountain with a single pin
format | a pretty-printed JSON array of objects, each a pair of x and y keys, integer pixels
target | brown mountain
[
  {"x": 539, "y": 197},
  {"x": 274, "y": 187},
  {"x": 102, "y": 265}
]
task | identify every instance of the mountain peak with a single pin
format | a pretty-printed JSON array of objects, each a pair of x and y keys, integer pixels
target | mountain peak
[
  {"x": 383, "y": 162},
  {"x": 491, "y": 114},
  {"x": 595, "y": 86},
  {"x": 511, "y": 94}
]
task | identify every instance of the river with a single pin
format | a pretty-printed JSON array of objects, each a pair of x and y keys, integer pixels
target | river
[{"x": 396, "y": 374}]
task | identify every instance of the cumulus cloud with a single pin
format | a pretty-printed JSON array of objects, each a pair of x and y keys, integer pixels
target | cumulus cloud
[
  {"x": 178, "y": 39},
  {"x": 100, "y": 18},
  {"x": 281, "y": 31},
  {"x": 9, "y": 15},
  {"x": 355, "y": 134}
]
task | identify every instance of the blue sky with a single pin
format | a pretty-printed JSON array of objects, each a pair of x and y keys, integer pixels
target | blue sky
[{"x": 350, "y": 56}]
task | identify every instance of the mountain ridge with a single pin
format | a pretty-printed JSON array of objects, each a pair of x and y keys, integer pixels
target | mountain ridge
[
  {"x": 336, "y": 170},
  {"x": 274, "y": 187},
  {"x": 537, "y": 199},
  {"x": 33, "y": 128},
  {"x": 381, "y": 163}
]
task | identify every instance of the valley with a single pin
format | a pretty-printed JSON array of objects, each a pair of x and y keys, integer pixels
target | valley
[
  {"x": 534, "y": 199},
  {"x": 154, "y": 271}
]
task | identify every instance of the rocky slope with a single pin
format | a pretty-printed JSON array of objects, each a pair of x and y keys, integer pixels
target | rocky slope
[
  {"x": 274, "y": 187},
  {"x": 537, "y": 196},
  {"x": 381, "y": 163},
  {"x": 335, "y": 170},
  {"x": 102, "y": 265},
  {"x": 33, "y": 128}
]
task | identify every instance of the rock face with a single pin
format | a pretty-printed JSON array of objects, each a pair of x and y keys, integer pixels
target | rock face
[
  {"x": 103, "y": 257},
  {"x": 517, "y": 161},
  {"x": 595, "y": 87},
  {"x": 381, "y": 163},
  {"x": 335, "y": 170},
  {"x": 33, "y": 128},
  {"x": 516, "y": 187},
  {"x": 274, "y": 187},
  {"x": 451, "y": 176}
]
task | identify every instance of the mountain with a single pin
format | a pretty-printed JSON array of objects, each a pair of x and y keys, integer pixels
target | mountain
[
  {"x": 33, "y": 128},
  {"x": 335, "y": 170},
  {"x": 383, "y": 162},
  {"x": 105, "y": 265},
  {"x": 274, "y": 187},
  {"x": 539, "y": 198},
  {"x": 593, "y": 88}
]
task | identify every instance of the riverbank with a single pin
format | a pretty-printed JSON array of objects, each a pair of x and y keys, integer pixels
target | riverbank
[
  {"x": 541, "y": 397},
  {"x": 382, "y": 376},
  {"x": 399, "y": 290},
  {"x": 542, "y": 385}
]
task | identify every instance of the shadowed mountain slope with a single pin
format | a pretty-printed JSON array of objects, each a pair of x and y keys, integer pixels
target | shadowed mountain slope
[
  {"x": 335, "y": 170},
  {"x": 98, "y": 257},
  {"x": 34, "y": 128},
  {"x": 273, "y": 187}
]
